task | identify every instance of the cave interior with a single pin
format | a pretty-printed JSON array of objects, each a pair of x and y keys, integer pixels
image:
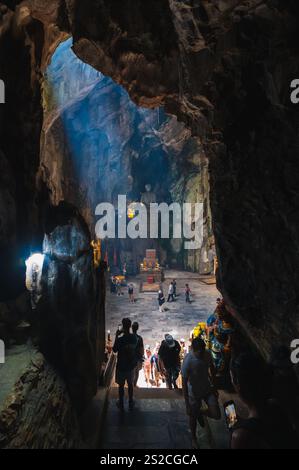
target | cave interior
[{"x": 185, "y": 100}]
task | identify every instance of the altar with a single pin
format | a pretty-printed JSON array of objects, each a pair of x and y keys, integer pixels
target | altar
[{"x": 150, "y": 272}]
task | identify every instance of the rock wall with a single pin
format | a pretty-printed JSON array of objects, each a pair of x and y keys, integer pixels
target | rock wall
[
  {"x": 97, "y": 144},
  {"x": 69, "y": 315},
  {"x": 25, "y": 45},
  {"x": 38, "y": 414},
  {"x": 224, "y": 68}
]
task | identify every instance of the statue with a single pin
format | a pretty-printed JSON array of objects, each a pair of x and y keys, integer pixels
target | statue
[{"x": 148, "y": 197}]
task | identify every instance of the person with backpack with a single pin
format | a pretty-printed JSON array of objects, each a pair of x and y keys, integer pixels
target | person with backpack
[
  {"x": 126, "y": 348},
  {"x": 169, "y": 360},
  {"x": 198, "y": 376}
]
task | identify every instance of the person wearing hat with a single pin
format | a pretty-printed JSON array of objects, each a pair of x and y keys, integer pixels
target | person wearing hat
[{"x": 169, "y": 359}]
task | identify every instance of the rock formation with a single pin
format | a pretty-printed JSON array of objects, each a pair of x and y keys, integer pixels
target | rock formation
[
  {"x": 97, "y": 144},
  {"x": 224, "y": 68}
]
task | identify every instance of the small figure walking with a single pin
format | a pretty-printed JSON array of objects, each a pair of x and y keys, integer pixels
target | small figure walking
[
  {"x": 131, "y": 293},
  {"x": 188, "y": 294},
  {"x": 170, "y": 292},
  {"x": 118, "y": 287}
]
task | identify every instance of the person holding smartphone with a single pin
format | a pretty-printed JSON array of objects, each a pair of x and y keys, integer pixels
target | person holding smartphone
[
  {"x": 198, "y": 375},
  {"x": 266, "y": 426}
]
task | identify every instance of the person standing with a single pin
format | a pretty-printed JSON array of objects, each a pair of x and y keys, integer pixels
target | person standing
[
  {"x": 147, "y": 365},
  {"x": 187, "y": 293},
  {"x": 118, "y": 287},
  {"x": 169, "y": 360},
  {"x": 131, "y": 293},
  {"x": 174, "y": 288},
  {"x": 155, "y": 369},
  {"x": 198, "y": 376},
  {"x": 140, "y": 352},
  {"x": 161, "y": 300},
  {"x": 126, "y": 348},
  {"x": 170, "y": 292}
]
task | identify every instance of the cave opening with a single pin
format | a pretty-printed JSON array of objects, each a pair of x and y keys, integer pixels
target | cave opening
[
  {"x": 97, "y": 144},
  {"x": 73, "y": 140}
]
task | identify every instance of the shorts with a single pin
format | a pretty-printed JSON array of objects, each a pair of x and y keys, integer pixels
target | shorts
[
  {"x": 123, "y": 376},
  {"x": 196, "y": 403}
]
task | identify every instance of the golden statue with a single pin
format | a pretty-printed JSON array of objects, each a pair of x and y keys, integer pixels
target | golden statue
[{"x": 97, "y": 252}]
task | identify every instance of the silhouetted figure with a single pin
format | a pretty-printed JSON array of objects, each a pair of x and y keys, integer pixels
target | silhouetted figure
[
  {"x": 126, "y": 348},
  {"x": 140, "y": 352}
]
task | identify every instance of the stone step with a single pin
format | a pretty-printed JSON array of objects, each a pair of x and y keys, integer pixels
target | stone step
[{"x": 151, "y": 393}]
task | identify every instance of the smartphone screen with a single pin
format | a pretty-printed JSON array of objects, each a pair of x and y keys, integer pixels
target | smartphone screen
[{"x": 230, "y": 414}]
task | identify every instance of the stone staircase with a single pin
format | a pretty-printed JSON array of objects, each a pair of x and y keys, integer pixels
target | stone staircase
[{"x": 158, "y": 421}]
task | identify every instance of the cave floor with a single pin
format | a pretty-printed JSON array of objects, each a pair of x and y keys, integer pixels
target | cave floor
[{"x": 179, "y": 319}]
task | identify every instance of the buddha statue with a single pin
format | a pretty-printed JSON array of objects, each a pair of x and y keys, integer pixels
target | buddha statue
[{"x": 148, "y": 197}]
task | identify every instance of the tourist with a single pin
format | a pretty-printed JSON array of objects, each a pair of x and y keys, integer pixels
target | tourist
[
  {"x": 131, "y": 293},
  {"x": 169, "y": 360},
  {"x": 170, "y": 292},
  {"x": 188, "y": 294},
  {"x": 140, "y": 352},
  {"x": 112, "y": 285},
  {"x": 155, "y": 368},
  {"x": 184, "y": 349},
  {"x": 147, "y": 365},
  {"x": 118, "y": 287},
  {"x": 266, "y": 427},
  {"x": 126, "y": 348},
  {"x": 161, "y": 301},
  {"x": 198, "y": 385},
  {"x": 174, "y": 288}
]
